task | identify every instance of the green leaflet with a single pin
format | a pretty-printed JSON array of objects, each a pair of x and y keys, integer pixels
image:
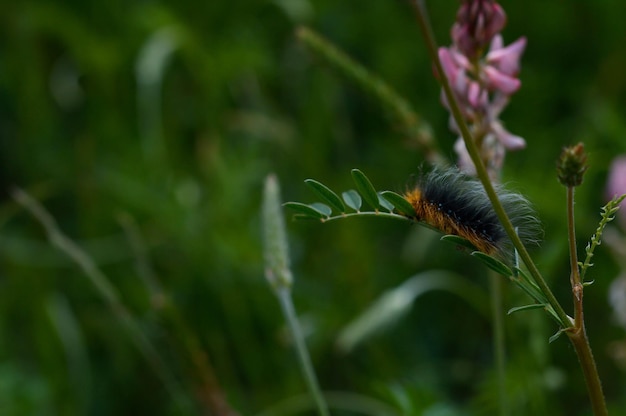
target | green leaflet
[
  {"x": 365, "y": 188},
  {"x": 326, "y": 194},
  {"x": 315, "y": 211}
]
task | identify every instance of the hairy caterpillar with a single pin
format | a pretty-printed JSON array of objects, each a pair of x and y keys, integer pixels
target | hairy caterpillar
[{"x": 454, "y": 203}]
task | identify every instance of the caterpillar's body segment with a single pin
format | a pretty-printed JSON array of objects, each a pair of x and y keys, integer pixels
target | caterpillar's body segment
[{"x": 457, "y": 204}]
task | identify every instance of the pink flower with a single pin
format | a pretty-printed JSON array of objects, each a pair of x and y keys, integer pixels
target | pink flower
[
  {"x": 496, "y": 80},
  {"x": 502, "y": 64},
  {"x": 483, "y": 75},
  {"x": 455, "y": 66},
  {"x": 477, "y": 22},
  {"x": 476, "y": 104}
]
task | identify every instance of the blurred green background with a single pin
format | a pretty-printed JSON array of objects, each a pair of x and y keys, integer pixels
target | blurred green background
[{"x": 147, "y": 128}]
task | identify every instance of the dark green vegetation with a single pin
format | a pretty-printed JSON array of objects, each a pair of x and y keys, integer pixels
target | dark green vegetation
[{"x": 147, "y": 129}]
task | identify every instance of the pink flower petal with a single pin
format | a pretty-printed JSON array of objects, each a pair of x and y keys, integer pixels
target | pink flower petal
[
  {"x": 497, "y": 20},
  {"x": 456, "y": 74},
  {"x": 496, "y": 43},
  {"x": 450, "y": 67},
  {"x": 508, "y": 140},
  {"x": 464, "y": 162},
  {"x": 507, "y": 60},
  {"x": 498, "y": 103},
  {"x": 500, "y": 81},
  {"x": 460, "y": 59},
  {"x": 473, "y": 94}
]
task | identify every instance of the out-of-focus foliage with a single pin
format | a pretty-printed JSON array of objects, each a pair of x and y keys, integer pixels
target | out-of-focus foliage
[{"x": 147, "y": 128}]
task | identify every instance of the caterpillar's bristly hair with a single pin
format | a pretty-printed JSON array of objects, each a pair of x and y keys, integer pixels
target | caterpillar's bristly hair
[{"x": 457, "y": 204}]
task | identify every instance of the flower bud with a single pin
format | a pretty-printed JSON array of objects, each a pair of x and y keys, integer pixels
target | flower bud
[
  {"x": 477, "y": 22},
  {"x": 572, "y": 165}
]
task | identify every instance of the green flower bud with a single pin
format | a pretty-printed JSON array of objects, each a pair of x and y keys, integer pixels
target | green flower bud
[{"x": 572, "y": 165}]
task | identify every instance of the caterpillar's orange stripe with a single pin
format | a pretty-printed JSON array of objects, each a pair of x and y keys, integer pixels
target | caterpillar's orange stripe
[
  {"x": 433, "y": 216},
  {"x": 452, "y": 202}
]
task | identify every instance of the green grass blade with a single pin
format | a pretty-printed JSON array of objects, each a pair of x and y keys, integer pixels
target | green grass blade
[{"x": 493, "y": 263}]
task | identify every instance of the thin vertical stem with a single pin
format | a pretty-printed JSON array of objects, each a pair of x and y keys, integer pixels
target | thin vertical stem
[
  {"x": 578, "y": 334},
  {"x": 590, "y": 372},
  {"x": 571, "y": 234},
  {"x": 286, "y": 303},
  {"x": 577, "y": 287},
  {"x": 499, "y": 340}
]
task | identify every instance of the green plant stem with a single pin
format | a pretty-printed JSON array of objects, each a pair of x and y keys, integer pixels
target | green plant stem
[
  {"x": 577, "y": 287},
  {"x": 495, "y": 284},
  {"x": 578, "y": 334},
  {"x": 580, "y": 342},
  {"x": 286, "y": 304},
  {"x": 368, "y": 214},
  {"x": 279, "y": 276},
  {"x": 481, "y": 171}
]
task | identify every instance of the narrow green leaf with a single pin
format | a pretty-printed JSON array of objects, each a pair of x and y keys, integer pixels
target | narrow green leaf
[
  {"x": 493, "y": 263},
  {"x": 555, "y": 336},
  {"x": 352, "y": 199},
  {"x": 526, "y": 308},
  {"x": 403, "y": 206},
  {"x": 326, "y": 194},
  {"x": 306, "y": 210},
  {"x": 529, "y": 286},
  {"x": 459, "y": 241},
  {"x": 365, "y": 188},
  {"x": 554, "y": 315},
  {"x": 526, "y": 278}
]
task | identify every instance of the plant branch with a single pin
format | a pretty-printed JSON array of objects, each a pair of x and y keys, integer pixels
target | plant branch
[
  {"x": 481, "y": 171},
  {"x": 578, "y": 334}
]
